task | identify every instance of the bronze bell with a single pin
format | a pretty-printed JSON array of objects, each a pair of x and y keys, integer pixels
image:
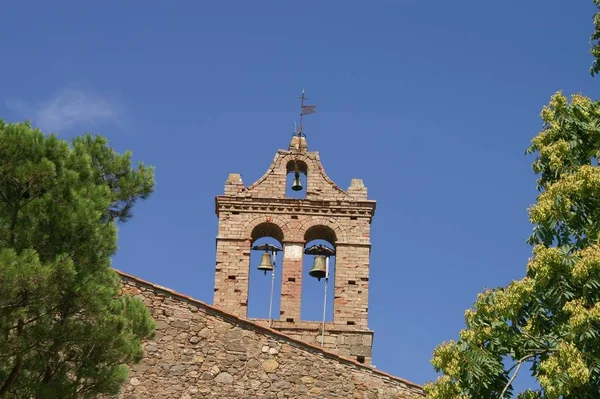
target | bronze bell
[
  {"x": 265, "y": 263},
  {"x": 297, "y": 185},
  {"x": 319, "y": 270}
]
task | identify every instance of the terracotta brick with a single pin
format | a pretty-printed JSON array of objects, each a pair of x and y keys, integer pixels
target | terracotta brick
[{"x": 340, "y": 217}]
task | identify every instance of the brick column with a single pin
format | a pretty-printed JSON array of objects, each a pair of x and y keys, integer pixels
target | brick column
[
  {"x": 291, "y": 281},
  {"x": 232, "y": 275},
  {"x": 351, "y": 295}
]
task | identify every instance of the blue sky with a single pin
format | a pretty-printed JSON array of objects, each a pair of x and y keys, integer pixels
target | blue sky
[{"x": 432, "y": 104}]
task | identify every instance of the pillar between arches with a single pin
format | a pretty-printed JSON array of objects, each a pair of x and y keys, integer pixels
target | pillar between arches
[{"x": 291, "y": 281}]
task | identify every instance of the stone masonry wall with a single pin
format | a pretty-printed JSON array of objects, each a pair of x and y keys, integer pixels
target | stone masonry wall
[
  {"x": 202, "y": 352},
  {"x": 345, "y": 341}
]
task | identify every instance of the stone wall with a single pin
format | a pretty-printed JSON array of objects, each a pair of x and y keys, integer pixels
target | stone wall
[
  {"x": 202, "y": 352},
  {"x": 343, "y": 340}
]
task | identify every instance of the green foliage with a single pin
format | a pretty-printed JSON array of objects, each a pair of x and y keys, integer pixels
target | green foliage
[
  {"x": 65, "y": 332},
  {"x": 549, "y": 321}
]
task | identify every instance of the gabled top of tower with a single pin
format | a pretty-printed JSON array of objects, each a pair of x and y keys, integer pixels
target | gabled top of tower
[{"x": 297, "y": 160}]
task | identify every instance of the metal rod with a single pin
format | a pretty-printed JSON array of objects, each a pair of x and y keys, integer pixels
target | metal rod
[
  {"x": 324, "y": 310},
  {"x": 301, "y": 114},
  {"x": 272, "y": 288},
  {"x": 325, "y": 300}
]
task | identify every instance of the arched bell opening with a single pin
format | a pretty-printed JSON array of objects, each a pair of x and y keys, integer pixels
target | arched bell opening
[
  {"x": 317, "y": 272},
  {"x": 263, "y": 263},
  {"x": 296, "y": 180}
]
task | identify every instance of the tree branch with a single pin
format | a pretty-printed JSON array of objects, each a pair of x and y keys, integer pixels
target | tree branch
[
  {"x": 542, "y": 343},
  {"x": 4, "y": 196},
  {"x": 519, "y": 363},
  {"x": 16, "y": 367},
  {"x": 24, "y": 303}
]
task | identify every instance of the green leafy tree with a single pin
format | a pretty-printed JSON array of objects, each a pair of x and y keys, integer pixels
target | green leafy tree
[
  {"x": 65, "y": 330},
  {"x": 595, "y": 69},
  {"x": 549, "y": 321}
]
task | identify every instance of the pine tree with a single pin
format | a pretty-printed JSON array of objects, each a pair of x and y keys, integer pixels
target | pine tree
[{"x": 65, "y": 330}]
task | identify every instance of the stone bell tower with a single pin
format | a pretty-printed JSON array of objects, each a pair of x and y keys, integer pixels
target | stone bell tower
[{"x": 342, "y": 218}]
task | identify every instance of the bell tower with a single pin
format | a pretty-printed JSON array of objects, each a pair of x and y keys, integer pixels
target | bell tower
[{"x": 340, "y": 218}]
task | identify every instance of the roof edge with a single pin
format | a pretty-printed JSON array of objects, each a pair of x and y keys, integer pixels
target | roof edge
[{"x": 268, "y": 330}]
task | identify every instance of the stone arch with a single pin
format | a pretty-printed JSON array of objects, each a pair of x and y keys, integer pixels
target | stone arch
[
  {"x": 320, "y": 232},
  {"x": 299, "y": 163},
  {"x": 269, "y": 222},
  {"x": 266, "y": 229},
  {"x": 296, "y": 179},
  {"x": 312, "y": 167},
  {"x": 313, "y": 163},
  {"x": 281, "y": 161},
  {"x": 332, "y": 224}
]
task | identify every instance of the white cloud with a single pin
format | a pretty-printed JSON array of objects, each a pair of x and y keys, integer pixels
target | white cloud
[{"x": 68, "y": 109}]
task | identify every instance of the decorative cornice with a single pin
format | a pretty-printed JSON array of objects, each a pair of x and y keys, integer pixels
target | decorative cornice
[
  {"x": 281, "y": 325},
  {"x": 352, "y": 244},
  {"x": 336, "y": 244},
  {"x": 286, "y": 206},
  {"x": 220, "y": 238}
]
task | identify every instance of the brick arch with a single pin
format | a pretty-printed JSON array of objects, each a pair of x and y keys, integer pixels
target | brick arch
[
  {"x": 313, "y": 163},
  {"x": 260, "y": 219},
  {"x": 320, "y": 232},
  {"x": 280, "y": 162},
  {"x": 333, "y": 224}
]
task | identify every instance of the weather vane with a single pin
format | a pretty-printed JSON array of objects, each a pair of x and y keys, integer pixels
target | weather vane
[{"x": 304, "y": 110}]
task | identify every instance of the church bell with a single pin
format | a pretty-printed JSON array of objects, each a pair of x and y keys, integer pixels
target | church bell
[
  {"x": 297, "y": 185},
  {"x": 265, "y": 263},
  {"x": 319, "y": 269}
]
